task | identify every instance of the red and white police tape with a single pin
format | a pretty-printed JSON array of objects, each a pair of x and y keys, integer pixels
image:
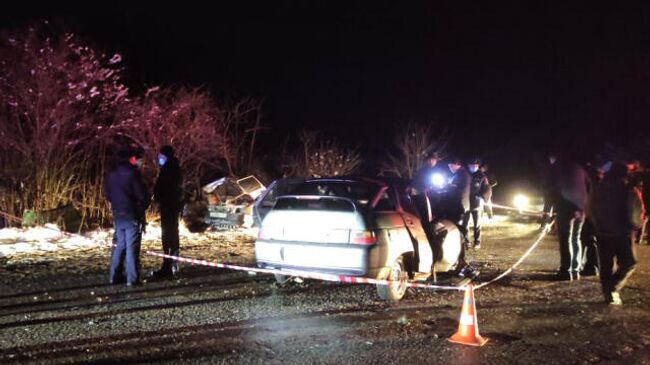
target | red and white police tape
[
  {"x": 306, "y": 274},
  {"x": 353, "y": 279}
]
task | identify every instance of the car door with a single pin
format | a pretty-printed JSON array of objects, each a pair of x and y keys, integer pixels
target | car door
[{"x": 414, "y": 226}]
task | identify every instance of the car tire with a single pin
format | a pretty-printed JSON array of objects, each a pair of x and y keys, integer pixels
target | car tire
[
  {"x": 393, "y": 293},
  {"x": 282, "y": 279}
]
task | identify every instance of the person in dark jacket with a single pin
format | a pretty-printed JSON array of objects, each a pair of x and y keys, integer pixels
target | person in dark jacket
[
  {"x": 129, "y": 200},
  {"x": 485, "y": 168},
  {"x": 168, "y": 194},
  {"x": 459, "y": 195},
  {"x": 590, "y": 260},
  {"x": 480, "y": 193},
  {"x": 423, "y": 178},
  {"x": 616, "y": 210},
  {"x": 570, "y": 189},
  {"x": 421, "y": 186}
]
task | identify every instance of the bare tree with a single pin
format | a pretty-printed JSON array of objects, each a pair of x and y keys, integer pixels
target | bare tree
[
  {"x": 413, "y": 142},
  {"x": 57, "y": 97},
  {"x": 241, "y": 123},
  {"x": 187, "y": 119}
]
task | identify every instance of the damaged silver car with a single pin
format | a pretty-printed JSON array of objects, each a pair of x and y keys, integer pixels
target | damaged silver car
[{"x": 351, "y": 226}]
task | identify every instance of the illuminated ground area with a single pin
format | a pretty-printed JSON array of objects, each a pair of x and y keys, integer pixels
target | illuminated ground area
[{"x": 56, "y": 308}]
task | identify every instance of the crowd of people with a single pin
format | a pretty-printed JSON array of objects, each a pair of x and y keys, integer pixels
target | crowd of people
[
  {"x": 455, "y": 192},
  {"x": 599, "y": 210}
]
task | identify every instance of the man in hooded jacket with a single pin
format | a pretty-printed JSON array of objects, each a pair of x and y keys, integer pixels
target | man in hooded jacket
[{"x": 168, "y": 194}]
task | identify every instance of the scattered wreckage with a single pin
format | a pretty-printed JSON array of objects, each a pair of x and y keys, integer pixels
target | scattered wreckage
[{"x": 223, "y": 204}]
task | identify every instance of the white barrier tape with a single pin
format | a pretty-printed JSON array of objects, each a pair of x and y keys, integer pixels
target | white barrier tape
[
  {"x": 307, "y": 274},
  {"x": 505, "y": 207},
  {"x": 541, "y": 236}
]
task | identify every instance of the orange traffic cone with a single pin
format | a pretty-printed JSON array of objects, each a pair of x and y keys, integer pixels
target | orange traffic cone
[{"x": 467, "y": 333}]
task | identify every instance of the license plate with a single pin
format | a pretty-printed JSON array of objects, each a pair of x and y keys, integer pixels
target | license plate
[{"x": 218, "y": 215}]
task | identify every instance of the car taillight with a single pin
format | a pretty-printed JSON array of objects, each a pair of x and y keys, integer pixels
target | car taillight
[{"x": 363, "y": 237}]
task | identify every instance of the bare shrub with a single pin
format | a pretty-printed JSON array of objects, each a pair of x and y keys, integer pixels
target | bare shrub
[
  {"x": 413, "y": 142},
  {"x": 317, "y": 158}
]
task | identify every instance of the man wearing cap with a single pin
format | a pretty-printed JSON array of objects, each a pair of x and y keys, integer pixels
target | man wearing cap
[
  {"x": 459, "y": 194},
  {"x": 129, "y": 200},
  {"x": 168, "y": 194},
  {"x": 422, "y": 181},
  {"x": 480, "y": 192}
]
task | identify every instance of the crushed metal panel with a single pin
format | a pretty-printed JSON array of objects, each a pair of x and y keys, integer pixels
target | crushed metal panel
[
  {"x": 251, "y": 186},
  {"x": 230, "y": 201}
]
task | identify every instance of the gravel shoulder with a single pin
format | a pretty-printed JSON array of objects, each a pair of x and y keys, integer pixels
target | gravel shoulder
[{"x": 60, "y": 310}]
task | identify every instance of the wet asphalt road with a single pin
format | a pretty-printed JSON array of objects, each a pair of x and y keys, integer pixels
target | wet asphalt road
[{"x": 53, "y": 314}]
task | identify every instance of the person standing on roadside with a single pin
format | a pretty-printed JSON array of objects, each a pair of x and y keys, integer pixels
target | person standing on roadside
[
  {"x": 457, "y": 208},
  {"x": 480, "y": 193},
  {"x": 459, "y": 191},
  {"x": 570, "y": 190},
  {"x": 485, "y": 168},
  {"x": 168, "y": 193},
  {"x": 127, "y": 194},
  {"x": 590, "y": 261},
  {"x": 422, "y": 184},
  {"x": 546, "y": 178},
  {"x": 616, "y": 210}
]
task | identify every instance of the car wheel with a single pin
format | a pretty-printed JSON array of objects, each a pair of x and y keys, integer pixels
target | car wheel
[
  {"x": 395, "y": 291},
  {"x": 282, "y": 279}
]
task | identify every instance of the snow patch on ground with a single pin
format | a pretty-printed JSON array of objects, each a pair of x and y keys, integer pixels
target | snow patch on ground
[{"x": 50, "y": 238}]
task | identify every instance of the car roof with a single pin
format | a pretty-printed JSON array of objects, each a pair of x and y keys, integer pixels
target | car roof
[{"x": 380, "y": 180}]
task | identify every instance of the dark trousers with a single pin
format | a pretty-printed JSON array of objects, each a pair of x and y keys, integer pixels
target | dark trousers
[
  {"x": 170, "y": 239},
  {"x": 590, "y": 260},
  {"x": 476, "y": 215},
  {"x": 126, "y": 254},
  {"x": 620, "y": 248},
  {"x": 569, "y": 228}
]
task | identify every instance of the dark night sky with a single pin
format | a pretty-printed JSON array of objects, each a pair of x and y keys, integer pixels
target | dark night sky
[{"x": 505, "y": 79}]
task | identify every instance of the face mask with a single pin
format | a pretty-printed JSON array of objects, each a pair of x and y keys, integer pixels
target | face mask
[
  {"x": 162, "y": 159},
  {"x": 453, "y": 167},
  {"x": 473, "y": 168}
]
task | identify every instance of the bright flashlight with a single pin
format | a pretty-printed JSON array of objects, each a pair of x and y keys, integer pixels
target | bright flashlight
[
  {"x": 438, "y": 180},
  {"x": 521, "y": 201}
]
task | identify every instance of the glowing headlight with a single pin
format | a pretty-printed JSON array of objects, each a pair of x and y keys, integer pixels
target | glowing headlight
[
  {"x": 521, "y": 201},
  {"x": 438, "y": 180}
]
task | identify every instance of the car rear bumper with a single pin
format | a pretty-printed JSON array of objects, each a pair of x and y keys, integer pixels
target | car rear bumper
[{"x": 339, "y": 259}]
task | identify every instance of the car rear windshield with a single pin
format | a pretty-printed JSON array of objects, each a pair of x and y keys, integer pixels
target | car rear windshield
[
  {"x": 323, "y": 204},
  {"x": 360, "y": 193}
]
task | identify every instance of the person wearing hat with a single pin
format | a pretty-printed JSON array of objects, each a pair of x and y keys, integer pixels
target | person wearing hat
[
  {"x": 480, "y": 192},
  {"x": 168, "y": 193},
  {"x": 422, "y": 181},
  {"x": 127, "y": 194}
]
